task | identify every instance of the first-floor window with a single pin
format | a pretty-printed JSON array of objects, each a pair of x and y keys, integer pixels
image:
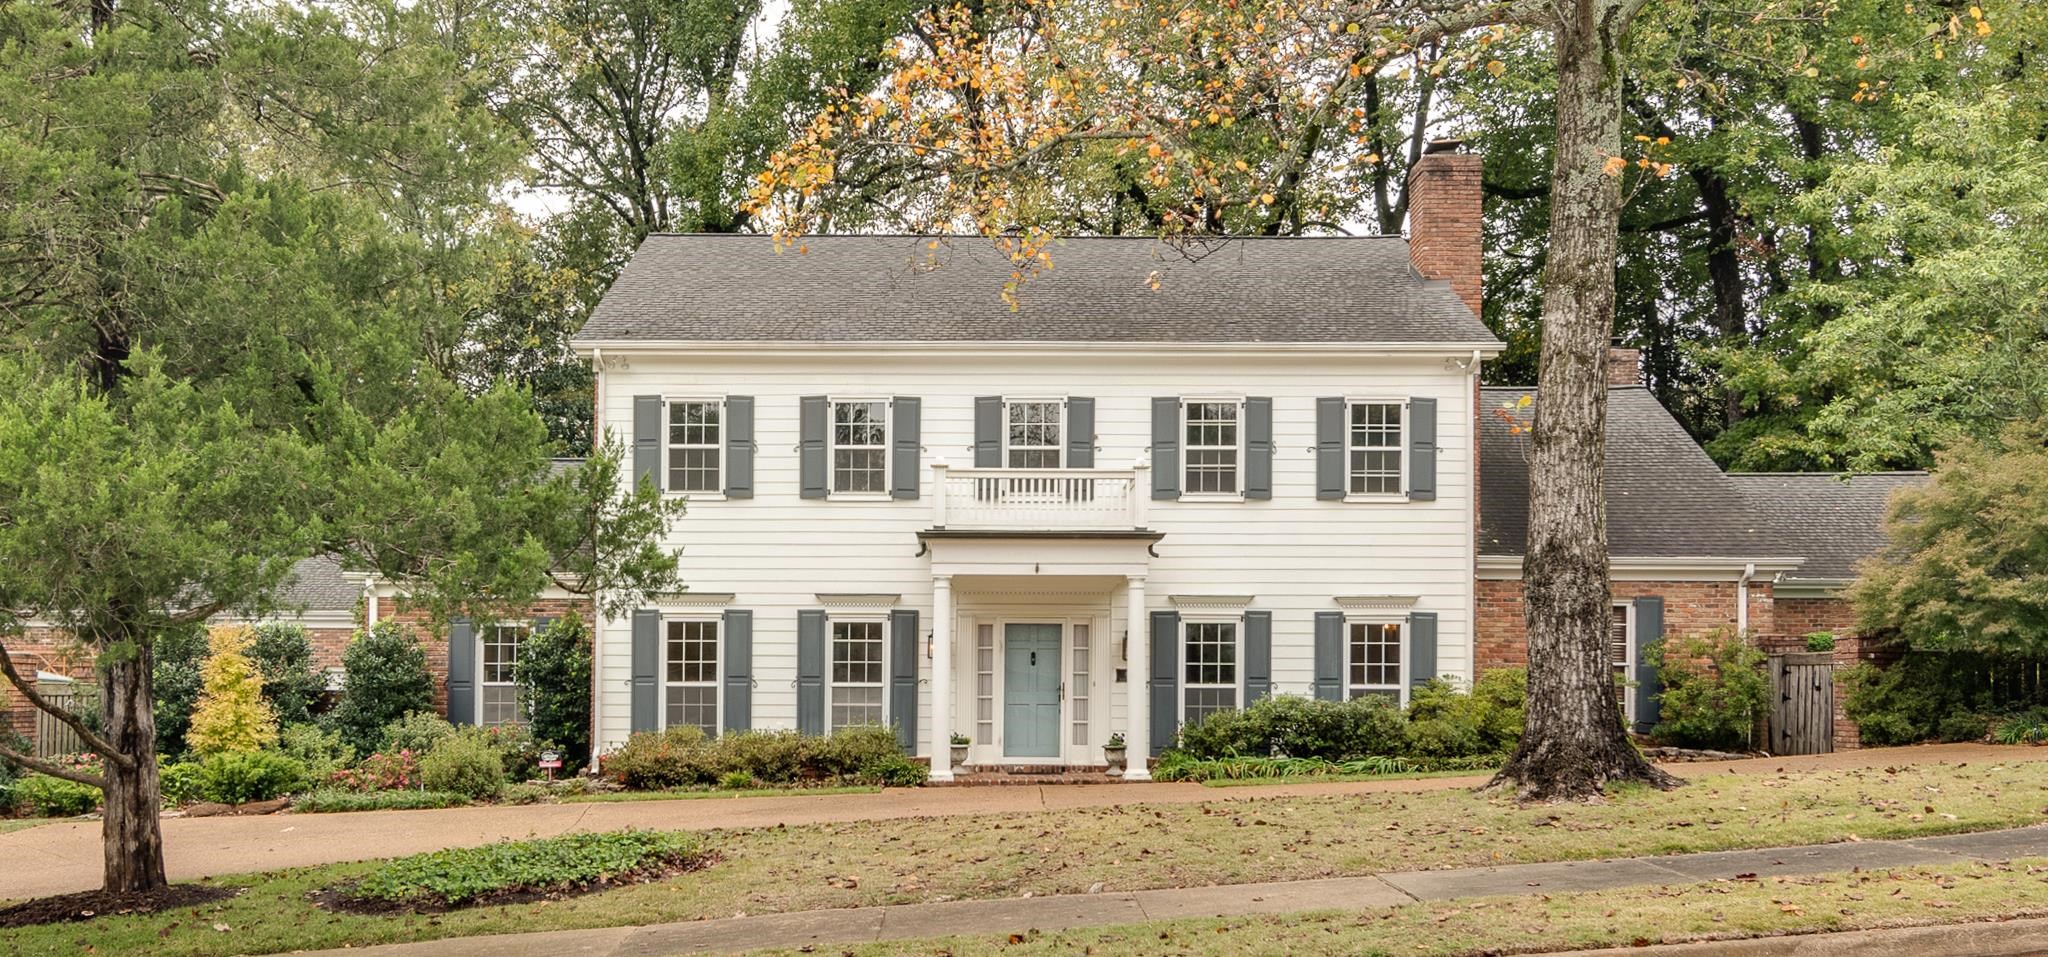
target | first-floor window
[
  {"x": 860, "y": 446},
  {"x": 498, "y": 702},
  {"x": 1209, "y": 662},
  {"x": 1375, "y": 441},
  {"x": 1620, "y": 651},
  {"x": 1373, "y": 657},
  {"x": 693, "y": 675},
  {"x": 1083, "y": 643},
  {"x": 857, "y": 676}
]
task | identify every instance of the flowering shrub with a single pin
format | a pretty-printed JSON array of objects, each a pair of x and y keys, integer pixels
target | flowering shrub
[{"x": 381, "y": 772}]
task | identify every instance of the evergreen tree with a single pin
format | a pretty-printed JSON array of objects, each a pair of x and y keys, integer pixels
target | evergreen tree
[{"x": 232, "y": 716}]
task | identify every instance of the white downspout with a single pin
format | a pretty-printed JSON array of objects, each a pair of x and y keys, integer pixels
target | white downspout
[
  {"x": 1472, "y": 493},
  {"x": 370, "y": 603},
  {"x": 597, "y": 622},
  {"x": 1742, "y": 600}
]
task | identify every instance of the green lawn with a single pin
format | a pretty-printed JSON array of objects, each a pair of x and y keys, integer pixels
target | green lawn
[
  {"x": 1541, "y": 923},
  {"x": 23, "y": 823},
  {"x": 1228, "y": 840}
]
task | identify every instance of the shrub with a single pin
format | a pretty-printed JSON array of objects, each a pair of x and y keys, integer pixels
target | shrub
[
  {"x": 464, "y": 764},
  {"x": 1715, "y": 690},
  {"x": 46, "y": 796},
  {"x": 894, "y": 771},
  {"x": 547, "y": 866},
  {"x": 772, "y": 757},
  {"x": 181, "y": 783},
  {"x": 553, "y": 672},
  {"x": 1444, "y": 722},
  {"x": 174, "y": 678},
  {"x": 238, "y": 777},
  {"x": 335, "y": 800},
  {"x": 232, "y": 715},
  {"x": 321, "y": 751},
  {"x": 736, "y": 781},
  {"x": 526, "y": 793},
  {"x": 845, "y": 753},
  {"x": 418, "y": 732},
  {"x": 659, "y": 760},
  {"x": 1296, "y": 727},
  {"x": 1820, "y": 641},
  {"x": 1964, "y": 726},
  {"x": 283, "y": 654},
  {"x": 381, "y": 772},
  {"x": 386, "y": 679},
  {"x": 2028, "y": 728},
  {"x": 516, "y": 748}
]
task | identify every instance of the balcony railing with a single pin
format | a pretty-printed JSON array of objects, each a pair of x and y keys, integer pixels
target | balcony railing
[{"x": 1040, "y": 500}]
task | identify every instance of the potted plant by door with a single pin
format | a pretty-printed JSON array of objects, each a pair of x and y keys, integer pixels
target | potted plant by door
[
  {"x": 960, "y": 743},
  {"x": 1113, "y": 753}
]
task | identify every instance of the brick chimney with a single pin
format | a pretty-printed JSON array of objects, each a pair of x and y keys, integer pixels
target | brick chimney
[
  {"x": 1624, "y": 365},
  {"x": 1444, "y": 203}
]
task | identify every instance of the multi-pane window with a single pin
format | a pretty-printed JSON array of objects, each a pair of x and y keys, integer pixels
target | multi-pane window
[
  {"x": 1079, "y": 682},
  {"x": 1375, "y": 443},
  {"x": 860, "y": 446},
  {"x": 1033, "y": 434},
  {"x": 857, "y": 676},
  {"x": 693, "y": 446},
  {"x": 1373, "y": 660},
  {"x": 1209, "y": 663},
  {"x": 1212, "y": 448},
  {"x": 498, "y": 695},
  {"x": 1620, "y": 649},
  {"x": 693, "y": 675},
  {"x": 984, "y": 683}
]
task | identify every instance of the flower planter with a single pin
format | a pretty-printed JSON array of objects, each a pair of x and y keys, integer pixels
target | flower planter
[{"x": 1115, "y": 758}]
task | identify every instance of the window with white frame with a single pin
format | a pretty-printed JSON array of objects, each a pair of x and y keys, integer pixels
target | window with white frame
[
  {"x": 1032, "y": 433},
  {"x": 692, "y": 675},
  {"x": 1209, "y": 669},
  {"x": 498, "y": 698},
  {"x": 1212, "y": 448},
  {"x": 1079, "y": 682},
  {"x": 857, "y": 674},
  {"x": 1375, "y": 441},
  {"x": 860, "y": 446},
  {"x": 1621, "y": 653},
  {"x": 1373, "y": 660},
  {"x": 694, "y": 446},
  {"x": 984, "y": 683}
]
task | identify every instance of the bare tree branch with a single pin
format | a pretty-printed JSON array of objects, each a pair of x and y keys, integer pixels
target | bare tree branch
[{"x": 28, "y": 691}]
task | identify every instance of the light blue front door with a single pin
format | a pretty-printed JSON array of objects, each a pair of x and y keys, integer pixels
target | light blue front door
[{"x": 1031, "y": 691}]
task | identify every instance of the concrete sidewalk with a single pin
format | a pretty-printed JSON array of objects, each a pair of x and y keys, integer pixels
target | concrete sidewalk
[
  {"x": 996, "y": 918},
  {"x": 67, "y": 856}
]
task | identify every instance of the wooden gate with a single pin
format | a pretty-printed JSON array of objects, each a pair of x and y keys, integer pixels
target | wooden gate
[{"x": 1803, "y": 703}]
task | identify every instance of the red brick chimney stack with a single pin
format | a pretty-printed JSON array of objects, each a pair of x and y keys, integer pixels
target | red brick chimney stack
[
  {"x": 1444, "y": 202},
  {"x": 1624, "y": 365}
]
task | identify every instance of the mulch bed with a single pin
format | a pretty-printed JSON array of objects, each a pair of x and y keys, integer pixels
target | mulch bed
[
  {"x": 341, "y": 897},
  {"x": 87, "y": 905}
]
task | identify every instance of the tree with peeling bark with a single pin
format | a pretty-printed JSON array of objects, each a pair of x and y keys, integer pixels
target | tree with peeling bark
[{"x": 226, "y": 317}]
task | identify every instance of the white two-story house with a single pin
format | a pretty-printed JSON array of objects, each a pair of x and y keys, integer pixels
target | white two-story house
[{"x": 1169, "y": 481}]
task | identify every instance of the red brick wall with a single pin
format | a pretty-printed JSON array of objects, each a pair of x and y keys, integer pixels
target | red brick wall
[
  {"x": 41, "y": 649},
  {"x": 1444, "y": 203},
  {"x": 436, "y": 641},
  {"x": 1690, "y": 608}
]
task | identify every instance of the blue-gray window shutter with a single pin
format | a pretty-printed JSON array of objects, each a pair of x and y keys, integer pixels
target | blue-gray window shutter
[
  {"x": 1258, "y": 448},
  {"x": 1330, "y": 471},
  {"x": 461, "y": 672},
  {"x": 1649, "y": 629},
  {"x": 988, "y": 432},
  {"x": 811, "y": 465},
  {"x": 907, "y": 446},
  {"x": 1165, "y": 680},
  {"x": 1166, "y": 448},
  {"x": 647, "y": 416},
  {"x": 739, "y": 446},
  {"x": 738, "y": 705},
  {"x": 1329, "y": 656},
  {"x": 903, "y": 676},
  {"x": 810, "y": 671},
  {"x": 1258, "y": 655},
  {"x": 1080, "y": 433},
  {"x": 1421, "y": 647},
  {"x": 1422, "y": 450},
  {"x": 646, "y": 669}
]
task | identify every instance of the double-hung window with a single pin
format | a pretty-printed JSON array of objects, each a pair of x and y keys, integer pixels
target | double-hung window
[
  {"x": 1032, "y": 433},
  {"x": 1214, "y": 451},
  {"x": 692, "y": 675},
  {"x": 695, "y": 449},
  {"x": 1372, "y": 659},
  {"x": 1621, "y": 653},
  {"x": 1209, "y": 669},
  {"x": 860, "y": 446},
  {"x": 858, "y": 675},
  {"x": 498, "y": 698},
  {"x": 1374, "y": 441}
]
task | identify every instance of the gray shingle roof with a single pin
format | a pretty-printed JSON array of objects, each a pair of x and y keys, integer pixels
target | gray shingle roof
[
  {"x": 884, "y": 289},
  {"x": 1665, "y": 497},
  {"x": 318, "y": 584},
  {"x": 1833, "y": 520}
]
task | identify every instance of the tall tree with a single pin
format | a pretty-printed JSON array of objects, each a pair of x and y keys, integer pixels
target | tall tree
[{"x": 230, "y": 267}]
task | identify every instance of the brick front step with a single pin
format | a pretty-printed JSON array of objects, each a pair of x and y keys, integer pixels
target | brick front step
[{"x": 989, "y": 775}]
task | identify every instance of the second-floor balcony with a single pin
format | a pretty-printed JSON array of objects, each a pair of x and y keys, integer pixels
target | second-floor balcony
[{"x": 1040, "y": 500}]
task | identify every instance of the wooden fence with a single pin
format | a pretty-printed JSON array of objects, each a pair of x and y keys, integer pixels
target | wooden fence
[{"x": 54, "y": 737}]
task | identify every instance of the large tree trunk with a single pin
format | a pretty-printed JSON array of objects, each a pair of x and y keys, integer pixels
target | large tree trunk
[
  {"x": 131, "y": 833},
  {"x": 1574, "y": 744}
]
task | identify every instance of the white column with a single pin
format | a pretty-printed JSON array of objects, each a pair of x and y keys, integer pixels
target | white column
[
  {"x": 942, "y": 677},
  {"x": 1138, "y": 709}
]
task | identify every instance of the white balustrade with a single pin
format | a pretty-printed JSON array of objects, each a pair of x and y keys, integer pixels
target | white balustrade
[{"x": 1037, "y": 499}]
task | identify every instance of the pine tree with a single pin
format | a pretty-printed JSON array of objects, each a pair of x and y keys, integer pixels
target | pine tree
[{"x": 232, "y": 714}]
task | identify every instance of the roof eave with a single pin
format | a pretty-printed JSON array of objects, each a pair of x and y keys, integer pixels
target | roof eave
[
  {"x": 1654, "y": 568},
  {"x": 587, "y": 347}
]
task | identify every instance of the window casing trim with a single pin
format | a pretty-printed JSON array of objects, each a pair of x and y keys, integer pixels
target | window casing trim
[
  {"x": 1186, "y": 448},
  {"x": 1236, "y": 683},
  {"x": 1403, "y": 679},
  {"x": 1058, "y": 448},
  {"x": 484, "y": 632},
  {"x": 1400, "y": 447},
  {"x": 885, "y": 661},
  {"x": 668, "y": 447},
  {"x": 832, "y": 447},
  {"x": 718, "y": 660}
]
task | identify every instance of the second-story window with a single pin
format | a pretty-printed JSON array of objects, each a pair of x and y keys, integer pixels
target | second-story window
[
  {"x": 1212, "y": 448},
  {"x": 1033, "y": 434},
  {"x": 693, "y": 446},
  {"x": 860, "y": 446},
  {"x": 1375, "y": 448}
]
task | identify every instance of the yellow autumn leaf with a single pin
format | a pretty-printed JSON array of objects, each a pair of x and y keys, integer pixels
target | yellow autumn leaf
[
  {"x": 1813, "y": 71},
  {"x": 1614, "y": 166},
  {"x": 1983, "y": 28},
  {"x": 1266, "y": 198},
  {"x": 1496, "y": 67}
]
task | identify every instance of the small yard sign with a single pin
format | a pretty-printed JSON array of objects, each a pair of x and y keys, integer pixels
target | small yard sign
[{"x": 549, "y": 761}]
